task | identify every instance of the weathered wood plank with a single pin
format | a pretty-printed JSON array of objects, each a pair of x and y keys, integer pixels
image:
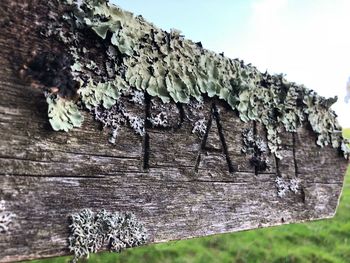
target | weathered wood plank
[
  {"x": 179, "y": 183},
  {"x": 170, "y": 209}
]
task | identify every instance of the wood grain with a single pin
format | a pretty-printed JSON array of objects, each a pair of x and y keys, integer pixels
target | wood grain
[{"x": 179, "y": 184}]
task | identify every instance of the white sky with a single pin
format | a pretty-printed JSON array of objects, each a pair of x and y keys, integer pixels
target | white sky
[{"x": 308, "y": 40}]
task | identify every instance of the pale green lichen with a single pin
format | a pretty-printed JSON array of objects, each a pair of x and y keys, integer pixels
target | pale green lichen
[
  {"x": 63, "y": 115},
  {"x": 91, "y": 231},
  {"x": 168, "y": 66},
  {"x": 105, "y": 94}
]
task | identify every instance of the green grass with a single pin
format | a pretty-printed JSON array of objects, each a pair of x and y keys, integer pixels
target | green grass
[
  {"x": 319, "y": 242},
  {"x": 346, "y": 133}
]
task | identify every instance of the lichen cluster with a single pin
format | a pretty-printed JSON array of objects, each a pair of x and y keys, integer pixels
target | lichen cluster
[
  {"x": 63, "y": 114},
  {"x": 287, "y": 185},
  {"x": 256, "y": 147},
  {"x": 139, "y": 57},
  {"x": 5, "y": 221},
  {"x": 6, "y": 218},
  {"x": 200, "y": 127},
  {"x": 91, "y": 231}
]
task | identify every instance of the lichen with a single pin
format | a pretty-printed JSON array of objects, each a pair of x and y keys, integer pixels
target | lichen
[
  {"x": 6, "y": 218},
  {"x": 294, "y": 185},
  {"x": 91, "y": 231},
  {"x": 63, "y": 114},
  {"x": 2, "y": 205},
  {"x": 159, "y": 120},
  {"x": 118, "y": 116},
  {"x": 137, "y": 123},
  {"x": 282, "y": 187},
  {"x": 287, "y": 185},
  {"x": 114, "y": 135},
  {"x": 194, "y": 104},
  {"x": 113, "y": 117},
  {"x": 105, "y": 94},
  {"x": 168, "y": 66},
  {"x": 137, "y": 97},
  {"x": 200, "y": 127},
  {"x": 5, "y": 221},
  {"x": 257, "y": 148}
]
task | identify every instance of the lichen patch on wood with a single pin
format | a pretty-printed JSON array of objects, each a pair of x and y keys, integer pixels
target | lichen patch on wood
[
  {"x": 134, "y": 54},
  {"x": 90, "y": 231},
  {"x": 6, "y": 219},
  {"x": 256, "y": 147}
]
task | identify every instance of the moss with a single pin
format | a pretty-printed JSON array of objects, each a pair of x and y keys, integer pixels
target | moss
[{"x": 168, "y": 66}]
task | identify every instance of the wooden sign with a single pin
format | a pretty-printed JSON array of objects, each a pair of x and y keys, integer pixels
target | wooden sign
[{"x": 193, "y": 169}]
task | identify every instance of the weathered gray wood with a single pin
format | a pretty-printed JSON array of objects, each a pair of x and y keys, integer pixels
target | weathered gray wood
[{"x": 177, "y": 184}]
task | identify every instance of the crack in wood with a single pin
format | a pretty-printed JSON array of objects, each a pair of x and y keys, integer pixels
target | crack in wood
[
  {"x": 278, "y": 172},
  {"x": 296, "y": 172},
  {"x": 143, "y": 177},
  {"x": 14, "y": 158},
  {"x": 256, "y": 170},
  {"x": 294, "y": 156},
  {"x": 302, "y": 195},
  {"x": 182, "y": 114},
  {"x": 98, "y": 155},
  {"x": 146, "y": 152},
  {"x": 148, "y": 124},
  {"x": 51, "y": 176}
]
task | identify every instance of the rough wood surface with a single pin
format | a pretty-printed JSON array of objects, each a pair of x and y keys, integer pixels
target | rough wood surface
[{"x": 178, "y": 184}]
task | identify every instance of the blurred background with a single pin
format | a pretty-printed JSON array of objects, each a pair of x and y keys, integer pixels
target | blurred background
[{"x": 309, "y": 42}]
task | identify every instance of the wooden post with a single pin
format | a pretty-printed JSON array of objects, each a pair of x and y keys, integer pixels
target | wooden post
[{"x": 178, "y": 184}]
